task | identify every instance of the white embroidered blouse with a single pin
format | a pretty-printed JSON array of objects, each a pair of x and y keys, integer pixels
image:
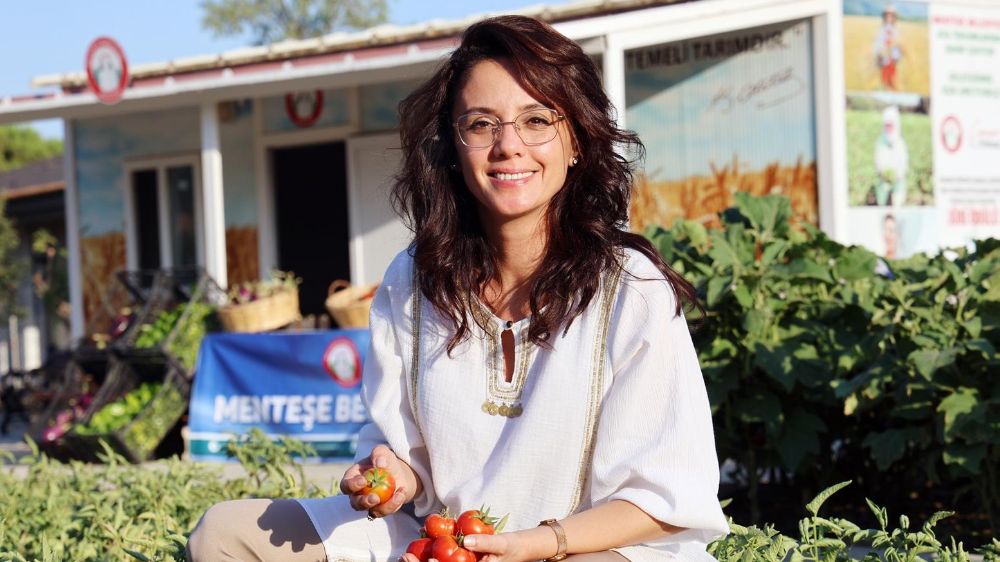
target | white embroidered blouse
[{"x": 615, "y": 409}]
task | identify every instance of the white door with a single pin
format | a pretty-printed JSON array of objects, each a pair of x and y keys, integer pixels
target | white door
[{"x": 377, "y": 234}]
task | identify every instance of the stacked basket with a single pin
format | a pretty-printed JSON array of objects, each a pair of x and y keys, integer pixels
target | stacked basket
[{"x": 349, "y": 305}]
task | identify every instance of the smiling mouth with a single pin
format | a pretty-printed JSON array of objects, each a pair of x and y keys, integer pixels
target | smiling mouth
[{"x": 503, "y": 176}]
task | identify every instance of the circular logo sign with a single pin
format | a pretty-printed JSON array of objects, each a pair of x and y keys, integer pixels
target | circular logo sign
[
  {"x": 107, "y": 69},
  {"x": 304, "y": 108},
  {"x": 951, "y": 134},
  {"x": 342, "y": 361}
]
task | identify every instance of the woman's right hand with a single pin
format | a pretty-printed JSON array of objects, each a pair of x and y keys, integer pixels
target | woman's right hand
[{"x": 407, "y": 483}]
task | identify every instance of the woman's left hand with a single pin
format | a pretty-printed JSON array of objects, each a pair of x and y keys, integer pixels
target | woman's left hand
[{"x": 502, "y": 547}]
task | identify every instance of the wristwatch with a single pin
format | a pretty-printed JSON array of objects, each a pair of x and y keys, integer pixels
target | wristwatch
[{"x": 560, "y": 540}]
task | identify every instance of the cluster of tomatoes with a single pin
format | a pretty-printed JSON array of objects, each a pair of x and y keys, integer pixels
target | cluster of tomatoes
[{"x": 442, "y": 536}]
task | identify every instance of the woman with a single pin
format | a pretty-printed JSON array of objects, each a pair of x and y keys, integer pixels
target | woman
[{"x": 527, "y": 352}]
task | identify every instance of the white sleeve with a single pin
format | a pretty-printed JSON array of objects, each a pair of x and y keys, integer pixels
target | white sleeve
[
  {"x": 655, "y": 446},
  {"x": 383, "y": 383}
]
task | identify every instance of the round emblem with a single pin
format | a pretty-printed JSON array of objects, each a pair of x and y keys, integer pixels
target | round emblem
[
  {"x": 107, "y": 69},
  {"x": 342, "y": 361},
  {"x": 951, "y": 134},
  {"x": 304, "y": 108}
]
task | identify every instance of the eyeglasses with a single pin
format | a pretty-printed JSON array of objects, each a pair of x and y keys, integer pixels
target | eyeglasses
[{"x": 534, "y": 127}]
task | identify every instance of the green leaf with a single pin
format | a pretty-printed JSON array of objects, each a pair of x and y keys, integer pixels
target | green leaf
[
  {"x": 887, "y": 447},
  {"x": 928, "y": 361},
  {"x": 799, "y": 438},
  {"x": 857, "y": 263},
  {"x": 984, "y": 347},
  {"x": 697, "y": 233},
  {"x": 763, "y": 406},
  {"x": 136, "y": 555},
  {"x": 773, "y": 251},
  {"x": 802, "y": 270},
  {"x": 880, "y": 513},
  {"x": 742, "y": 294},
  {"x": 717, "y": 287},
  {"x": 768, "y": 214},
  {"x": 724, "y": 254},
  {"x": 937, "y": 517},
  {"x": 502, "y": 523},
  {"x": 755, "y": 322},
  {"x": 777, "y": 363},
  {"x": 817, "y": 502},
  {"x": 968, "y": 458},
  {"x": 974, "y": 326},
  {"x": 962, "y": 402}
]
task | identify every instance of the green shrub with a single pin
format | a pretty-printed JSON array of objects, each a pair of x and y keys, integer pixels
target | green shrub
[
  {"x": 119, "y": 511},
  {"x": 822, "y": 370},
  {"x": 79, "y": 512}
]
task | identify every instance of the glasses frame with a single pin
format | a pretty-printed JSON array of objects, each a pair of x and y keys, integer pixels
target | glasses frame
[{"x": 498, "y": 126}]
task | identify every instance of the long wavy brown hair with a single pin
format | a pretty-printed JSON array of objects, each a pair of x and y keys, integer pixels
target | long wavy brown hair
[{"x": 586, "y": 219}]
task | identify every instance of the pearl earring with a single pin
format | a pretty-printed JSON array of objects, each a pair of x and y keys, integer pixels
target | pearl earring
[{"x": 574, "y": 161}]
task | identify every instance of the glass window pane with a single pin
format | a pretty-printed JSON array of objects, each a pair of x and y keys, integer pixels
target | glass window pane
[
  {"x": 180, "y": 189},
  {"x": 147, "y": 218}
]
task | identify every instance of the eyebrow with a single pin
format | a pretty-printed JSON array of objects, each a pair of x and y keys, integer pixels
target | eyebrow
[{"x": 491, "y": 111}]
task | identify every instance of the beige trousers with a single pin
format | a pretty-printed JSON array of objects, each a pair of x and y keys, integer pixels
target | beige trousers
[{"x": 258, "y": 530}]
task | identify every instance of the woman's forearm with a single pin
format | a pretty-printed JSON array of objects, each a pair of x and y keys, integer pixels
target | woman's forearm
[{"x": 609, "y": 525}]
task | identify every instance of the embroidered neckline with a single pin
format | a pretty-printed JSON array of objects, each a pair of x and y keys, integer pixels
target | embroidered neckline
[{"x": 503, "y": 398}]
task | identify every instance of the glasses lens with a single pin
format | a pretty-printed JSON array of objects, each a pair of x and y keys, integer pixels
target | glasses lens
[
  {"x": 476, "y": 129},
  {"x": 537, "y": 127}
]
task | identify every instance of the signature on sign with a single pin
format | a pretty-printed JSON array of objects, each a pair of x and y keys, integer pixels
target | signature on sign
[{"x": 774, "y": 89}]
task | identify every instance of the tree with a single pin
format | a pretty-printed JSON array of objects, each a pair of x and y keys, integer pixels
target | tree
[
  {"x": 21, "y": 145},
  {"x": 274, "y": 20},
  {"x": 11, "y": 267}
]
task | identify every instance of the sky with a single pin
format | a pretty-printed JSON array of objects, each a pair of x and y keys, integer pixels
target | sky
[{"x": 43, "y": 37}]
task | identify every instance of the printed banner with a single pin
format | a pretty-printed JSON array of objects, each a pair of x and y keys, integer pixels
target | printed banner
[
  {"x": 965, "y": 44},
  {"x": 923, "y": 125},
  {"x": 721, "y": 114},
  {"x": 305, "y": 385}
]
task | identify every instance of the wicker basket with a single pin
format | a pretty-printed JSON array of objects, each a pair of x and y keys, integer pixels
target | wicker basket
[
  {"x": 348, "y": 304},
  {"x": 275, "y": 311}
]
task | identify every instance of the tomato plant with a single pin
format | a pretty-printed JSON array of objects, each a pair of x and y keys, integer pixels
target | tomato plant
[{"x": 380, "y": 483}]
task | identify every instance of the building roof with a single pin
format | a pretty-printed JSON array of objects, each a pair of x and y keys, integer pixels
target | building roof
[
  {"x": 283, "y": 66},
  {"x": 313, "y": 50},
  {"x": 36, "y": 178}
]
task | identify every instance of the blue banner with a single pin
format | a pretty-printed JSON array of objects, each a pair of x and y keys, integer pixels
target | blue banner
[{"x": 305, "y": 385}]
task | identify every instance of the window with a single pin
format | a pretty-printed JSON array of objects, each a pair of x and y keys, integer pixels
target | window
[{"x": 163, "y": 214}]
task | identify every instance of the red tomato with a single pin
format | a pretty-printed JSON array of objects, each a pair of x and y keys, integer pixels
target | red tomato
[
  {"x": 446, "y": 549},
  {"x": 474, "y": 522},
  {"x": 421, "y": 548},
  {"x": 437, "y": 526},
  {"x": 380, "y": 483}
]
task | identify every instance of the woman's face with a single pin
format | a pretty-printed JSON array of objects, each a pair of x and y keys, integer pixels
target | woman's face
[{"x": 510, "y": 180}]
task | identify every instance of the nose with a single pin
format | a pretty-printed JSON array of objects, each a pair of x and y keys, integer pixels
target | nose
[{"x": 508, "y": 140}]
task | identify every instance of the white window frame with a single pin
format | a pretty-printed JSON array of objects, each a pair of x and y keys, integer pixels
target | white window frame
[{"x": 160, "y": 165}]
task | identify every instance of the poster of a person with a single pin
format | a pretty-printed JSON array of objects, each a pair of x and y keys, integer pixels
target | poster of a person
[
  {"x": 892, "y": 160},
  {"x": 888, "y": 49}
]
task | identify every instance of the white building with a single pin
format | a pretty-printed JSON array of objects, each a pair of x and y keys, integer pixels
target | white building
[{"x": 280, "y": 156}]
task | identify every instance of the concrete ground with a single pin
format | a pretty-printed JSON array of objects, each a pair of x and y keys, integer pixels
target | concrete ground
[{"x": 320, "y": 474}]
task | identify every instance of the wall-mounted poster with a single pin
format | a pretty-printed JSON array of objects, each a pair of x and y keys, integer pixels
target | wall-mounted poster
[
  {"x": 965, "y": 43},
  {"x": 721, "y": 114},
  {"x": 923, "y": 123},
  {"x": 887, "y": 77}
]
